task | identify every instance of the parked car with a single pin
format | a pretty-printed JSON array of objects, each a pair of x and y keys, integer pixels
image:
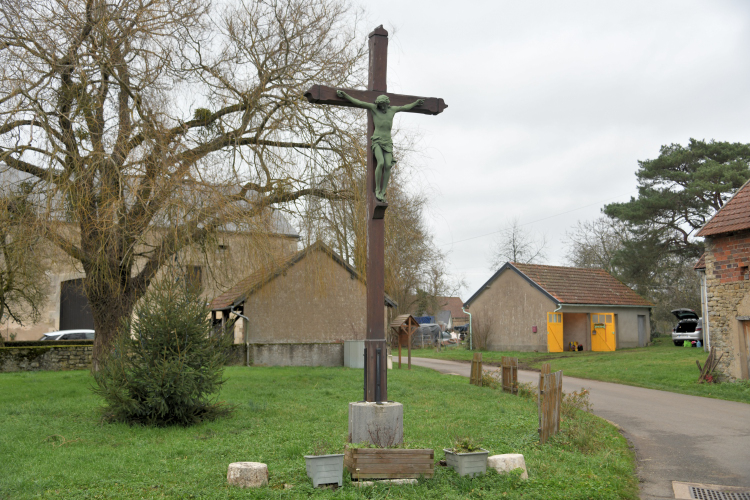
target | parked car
[
  {"x": 689, "y": 327},
  {"x": 70, "y": 335}
]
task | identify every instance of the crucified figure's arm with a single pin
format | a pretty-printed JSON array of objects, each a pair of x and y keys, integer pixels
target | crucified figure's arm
[
  {"x": 416, "y": 103},
  {"x": 356, "y": 102}
]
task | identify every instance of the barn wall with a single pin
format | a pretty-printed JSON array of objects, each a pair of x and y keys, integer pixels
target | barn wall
[
  {"x": 511, "y": 306},
  {"x": 316, "y": 300}
]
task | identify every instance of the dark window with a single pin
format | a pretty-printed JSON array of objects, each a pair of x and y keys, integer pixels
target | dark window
[{"x": 75, "y": 311}]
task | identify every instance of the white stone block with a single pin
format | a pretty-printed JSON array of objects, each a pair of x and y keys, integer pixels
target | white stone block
[
  {"x": 507, "y": 463},
  {"x": 247, "y": 474}
]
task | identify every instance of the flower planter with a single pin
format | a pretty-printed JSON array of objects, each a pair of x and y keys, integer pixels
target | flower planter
[
  {"x": 470, "y": 464},
  {"x": 386, "y": 463},
  {"x": 325, "y": 469}
]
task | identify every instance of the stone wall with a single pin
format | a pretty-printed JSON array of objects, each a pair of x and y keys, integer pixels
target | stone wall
[
  {"x": 55, "y": 357},
  {"x": 728, "y": 299},
  {"x": 297, "y": 354}
]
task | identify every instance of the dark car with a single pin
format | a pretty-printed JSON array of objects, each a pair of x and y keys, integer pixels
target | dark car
[
  {"x": 461, "y": 330},
  {"x": 70, "y": 335},
  {"x": 689, "y": 327}
]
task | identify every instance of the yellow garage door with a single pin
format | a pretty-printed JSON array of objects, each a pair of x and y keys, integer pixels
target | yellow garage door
[
  {"x": 603, "y": 332},
  {"x": 554, "y": 332}
]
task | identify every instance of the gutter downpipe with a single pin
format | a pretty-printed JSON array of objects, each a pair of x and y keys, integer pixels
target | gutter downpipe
[
  {"x": 470, "y": 335},
  {"x": 247, "y": 343}
]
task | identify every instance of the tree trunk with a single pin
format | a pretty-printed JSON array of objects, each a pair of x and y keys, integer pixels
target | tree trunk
[{"x": 109, "y": 309}]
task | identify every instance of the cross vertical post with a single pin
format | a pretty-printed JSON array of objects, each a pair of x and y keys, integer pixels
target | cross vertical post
[
  {"x": 376, "y": 346},
  {"x": 375, "y": 340}
]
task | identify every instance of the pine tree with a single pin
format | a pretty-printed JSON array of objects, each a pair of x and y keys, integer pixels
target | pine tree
[{"x": 166, "y": 365}]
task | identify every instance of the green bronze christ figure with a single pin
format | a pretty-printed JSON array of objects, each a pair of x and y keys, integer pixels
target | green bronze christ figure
[{"x": 382, "y": 143}]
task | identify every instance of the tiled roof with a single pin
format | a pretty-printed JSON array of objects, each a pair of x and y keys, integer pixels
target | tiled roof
[
  {"x": 574, "y": 285},
  {"x": 452, "y": 304},
  {"x": 701, "y": 264},
  {"x": 733, "y": 216},
  {"x": 251, "y": 284}
]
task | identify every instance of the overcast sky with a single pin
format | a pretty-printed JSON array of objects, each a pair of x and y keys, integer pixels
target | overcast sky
[{"x": 552, "y": 103}]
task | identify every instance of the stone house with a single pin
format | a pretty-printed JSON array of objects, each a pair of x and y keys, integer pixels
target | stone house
[
  {"x": 312, "y": 298},
  {"x": 213, "y": 269},
  {"x": 529, "y": 307},
  {"x": 727, "y": 283}
]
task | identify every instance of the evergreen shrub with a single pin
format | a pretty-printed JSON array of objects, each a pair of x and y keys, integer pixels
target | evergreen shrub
[{"x": 167, "y": 364}]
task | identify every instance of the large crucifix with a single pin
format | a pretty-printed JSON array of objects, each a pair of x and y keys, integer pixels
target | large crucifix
[{"x": 376, "y": 387}]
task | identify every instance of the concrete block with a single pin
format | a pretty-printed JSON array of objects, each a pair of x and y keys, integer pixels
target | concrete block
[
  {"x": 354, "y": 353},
  {"x": 247, "y": 474},
  {"x": 507, "y": 463},
  {"x": 379, "y": 424}
]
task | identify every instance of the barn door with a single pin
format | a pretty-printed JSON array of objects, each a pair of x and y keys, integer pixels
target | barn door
[
  {"x": 603, "y": 332},
  {"x": 554, "y": 332},
  {"x": 75, "y": 311}
]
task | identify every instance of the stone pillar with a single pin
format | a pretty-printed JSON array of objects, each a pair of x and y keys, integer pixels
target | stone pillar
[{"x": 378, "y": 424}]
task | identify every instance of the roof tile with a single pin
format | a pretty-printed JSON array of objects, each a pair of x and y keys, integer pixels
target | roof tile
[
  {"x": 574, "y": 285},
  {"x": 733, "y": 216}
]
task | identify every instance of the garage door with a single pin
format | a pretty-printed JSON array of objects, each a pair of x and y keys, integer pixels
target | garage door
[{"x": 554, "y": 332}]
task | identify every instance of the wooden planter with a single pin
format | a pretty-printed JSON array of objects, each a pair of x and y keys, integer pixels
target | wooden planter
[
  {"x": 467, "y": 463},
  {"x": 325, "y": 469},
  {"x": 385, "y": 463}
]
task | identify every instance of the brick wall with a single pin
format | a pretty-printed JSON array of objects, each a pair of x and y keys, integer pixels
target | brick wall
[
  {"x": 731, "y": 257},
  {"x": 15, "y": 359},
  {"x": 728, "y": 297}
]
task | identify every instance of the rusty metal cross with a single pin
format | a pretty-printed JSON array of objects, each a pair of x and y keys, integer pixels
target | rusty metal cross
[{"x": 375, "y": 373}]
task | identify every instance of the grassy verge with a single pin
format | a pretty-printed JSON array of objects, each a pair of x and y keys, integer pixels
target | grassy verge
[
  {"x": 661, "y": 366},
  {"x": 52, "y": 444}
]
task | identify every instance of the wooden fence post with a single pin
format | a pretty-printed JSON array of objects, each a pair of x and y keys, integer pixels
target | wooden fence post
[
  {"x": 476, "y": 369},
  {"x": 550, "y": 402},
  {"x": 509, "y": 373}
]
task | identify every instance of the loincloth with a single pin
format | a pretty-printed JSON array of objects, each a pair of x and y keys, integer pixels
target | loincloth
[{"x": 386, "y": 145}]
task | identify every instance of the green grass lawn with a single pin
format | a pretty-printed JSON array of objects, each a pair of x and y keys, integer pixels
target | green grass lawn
[
  {"x": 53, "y": 445},
  {"x": 660, "y": 366}
]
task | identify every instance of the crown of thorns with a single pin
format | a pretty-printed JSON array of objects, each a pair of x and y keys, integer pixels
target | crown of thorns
[{"x": 382, "y": 98}]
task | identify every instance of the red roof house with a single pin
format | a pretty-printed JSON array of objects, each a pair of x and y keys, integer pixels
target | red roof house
[
  {"x": 530, "y": 307},
  {"x": 726, "y": 297}
]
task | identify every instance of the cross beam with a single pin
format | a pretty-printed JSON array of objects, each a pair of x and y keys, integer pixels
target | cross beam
[
  {"x": 320, "y": 94},
  {"x": 375, "y": 376}
]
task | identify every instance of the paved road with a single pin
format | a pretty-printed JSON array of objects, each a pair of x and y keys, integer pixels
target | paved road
[{"x": 676, "y": 437}]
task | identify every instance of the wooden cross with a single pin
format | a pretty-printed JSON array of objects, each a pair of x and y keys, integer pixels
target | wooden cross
[{"x": 376, "y": 387}]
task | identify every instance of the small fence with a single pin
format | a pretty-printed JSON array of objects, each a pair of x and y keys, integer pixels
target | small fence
[
  {"x": 509, "y": 368},
  {"x": 476, "y": 370},
  {"x": 550, "y": 401}
]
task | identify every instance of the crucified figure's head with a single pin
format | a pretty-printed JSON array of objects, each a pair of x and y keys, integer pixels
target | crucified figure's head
[{"x": 382, "y": 101}]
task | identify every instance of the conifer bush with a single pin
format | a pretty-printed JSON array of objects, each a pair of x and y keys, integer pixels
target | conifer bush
[{"x": 167, "y": 364}]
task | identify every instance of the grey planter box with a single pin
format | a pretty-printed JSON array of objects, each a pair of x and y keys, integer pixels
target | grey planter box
[
  {"x": 469, "y": 464},
  {"x": 325, "y": 469}
]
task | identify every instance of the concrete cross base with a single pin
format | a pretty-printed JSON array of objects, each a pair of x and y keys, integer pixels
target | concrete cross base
[
  {"x": 247, "y": 474},
  {"x": 378, "y": 424},
  {"x": 507, "y": 463}
]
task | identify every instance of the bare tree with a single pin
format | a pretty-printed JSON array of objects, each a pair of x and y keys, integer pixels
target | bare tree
[
  {"x": 146, "y": 127},
  {"x": 482, "y": 325},
  {"x": 595, "y": 243},
  {"x": 514, "y": 244},
  {"x": 23, "y": 282}
]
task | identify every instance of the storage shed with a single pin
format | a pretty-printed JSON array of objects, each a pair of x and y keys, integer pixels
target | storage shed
[{"x": 529, "y": 307}]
